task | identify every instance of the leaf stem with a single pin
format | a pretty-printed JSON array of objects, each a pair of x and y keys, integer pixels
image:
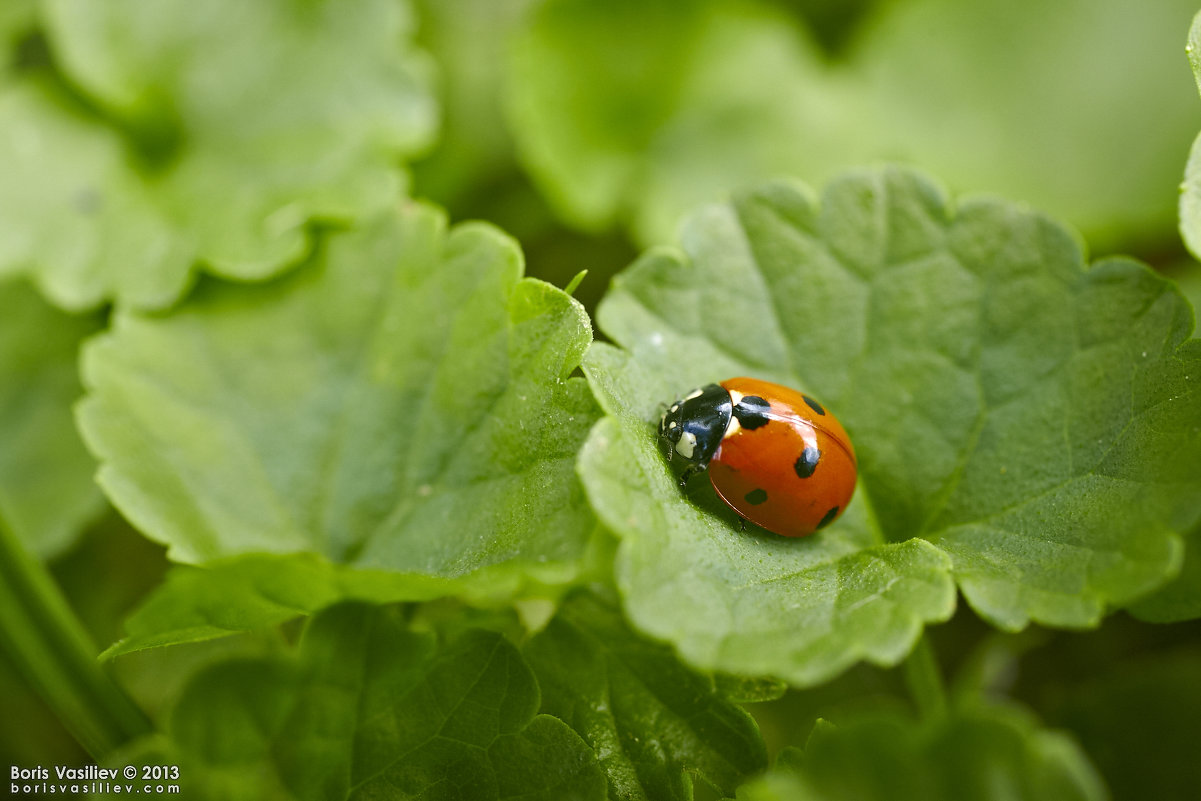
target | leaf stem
[
  {"x": 925, "y": 681},
  {"x": 47, "y": 643}
]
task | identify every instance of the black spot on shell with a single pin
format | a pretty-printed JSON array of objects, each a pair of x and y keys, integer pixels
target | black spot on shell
[
  {"x": 814, "y": 405},
  {"x": 806, "y": 463},
  {"x": 751, "y": 412},
  {"x": 756, "y": 497},
  {"x": 830, "y": 515}
]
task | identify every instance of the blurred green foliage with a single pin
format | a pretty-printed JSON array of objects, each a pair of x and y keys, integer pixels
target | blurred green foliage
[{"x": 1076, "y": 108}]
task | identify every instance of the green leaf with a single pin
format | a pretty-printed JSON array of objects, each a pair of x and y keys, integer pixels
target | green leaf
[
  {"x": 1190, "y": 200},
  {"x": 988, "y": 753},
  {"x": 746, "y": 602},
  {"x": 654, "y": 723},
  {"x": 749, "y": 689},
  {"x": 474, "y": 152},
  {"x": 240, "y": 594},
  {"x": 195, "y": 146},
  {"x": 369, "y": 709},
  {"x": 583, "y": 106},
  {"x": 633, "y": 112},
  {"x": 1180, "y": 599},
  {"x": 1035, "y": 420},
  {"x": 1193, "y": 49},
  {"x": 79, "y": 219},
  {"x": 402, "y": 403},
  {"x": 46, "y": 489},
  {"x": 258, "y": 591}
]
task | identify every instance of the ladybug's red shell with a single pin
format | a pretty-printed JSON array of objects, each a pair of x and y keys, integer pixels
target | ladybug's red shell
[{"x": 784, "y": 463}]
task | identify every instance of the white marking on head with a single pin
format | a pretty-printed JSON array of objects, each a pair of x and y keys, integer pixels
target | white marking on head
[
  {"x": 696, "y": 393},
  {"x": 672, "y": 425},
  {"x": 686, "y": 445},
  {"x": 736, "y": 397},
  {"x": 675, "y": 407}
]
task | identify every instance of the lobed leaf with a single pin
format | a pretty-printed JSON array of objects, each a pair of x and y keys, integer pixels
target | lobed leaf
[
  {"x": 750, "y": 602},
  {"x": 1179, "y": 599},
  {"x": 79, "y": 219},
  {"x": 987, "y": 753},
  {"x": 400, "y": 404},
  {"x": 1032, "y": 419},
  {"x": 47, "y": 493},
  {"x": 369, "y": 709},
  {"x": 631, "y": 113},
  {"x": 655, "y": 724},
  {"x": 188, "y": 141}
]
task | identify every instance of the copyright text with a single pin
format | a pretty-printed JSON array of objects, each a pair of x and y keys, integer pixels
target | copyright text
[{"x": 94, "y": 780}]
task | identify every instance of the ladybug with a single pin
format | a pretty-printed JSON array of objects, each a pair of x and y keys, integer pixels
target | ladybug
[{"x": 776, "y": 456}]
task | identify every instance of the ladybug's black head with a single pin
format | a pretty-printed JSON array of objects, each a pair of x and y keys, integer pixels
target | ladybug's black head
[{"x": 694, "y": 425}]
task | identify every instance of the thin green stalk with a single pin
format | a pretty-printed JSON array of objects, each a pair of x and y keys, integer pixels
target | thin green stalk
[
  {"x": 925, "y": 681},
  {"x": 46, "y": 642}
]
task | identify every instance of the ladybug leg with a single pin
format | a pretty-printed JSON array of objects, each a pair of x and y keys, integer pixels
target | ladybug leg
[
  {"x": 687, "y": 474},
  {"x": 742, "y": 524}
]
